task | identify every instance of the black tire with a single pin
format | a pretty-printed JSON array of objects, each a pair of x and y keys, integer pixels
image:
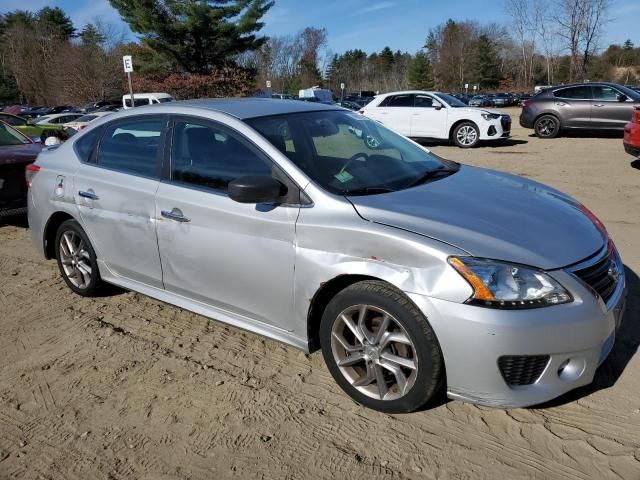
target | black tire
[
  {"x": 95, "y": 284},
  {"x": 466, "y": 141},
  {"x": 547, "y": 126},
  {"x": 429, "y": 375}
]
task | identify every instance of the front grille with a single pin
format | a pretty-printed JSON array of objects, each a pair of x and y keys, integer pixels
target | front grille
[
  {"x": 601, "y": 275},
  {"x": 522, "y": 369}
]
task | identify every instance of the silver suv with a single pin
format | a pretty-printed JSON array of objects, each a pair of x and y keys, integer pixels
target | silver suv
[
  {"x": 587, "y": 106},
  {"x": 318, "y": 227}
]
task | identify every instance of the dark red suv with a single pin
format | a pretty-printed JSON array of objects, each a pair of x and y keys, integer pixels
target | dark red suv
[{"x": 17, "y": 151}]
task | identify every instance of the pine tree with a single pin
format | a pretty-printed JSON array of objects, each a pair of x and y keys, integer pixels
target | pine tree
[
  {"x": 485, "y": 64},
  {"x": 196, "y": 35},
  {"x": 628, "y": 44},
  {"x": 419, "y": 75}
]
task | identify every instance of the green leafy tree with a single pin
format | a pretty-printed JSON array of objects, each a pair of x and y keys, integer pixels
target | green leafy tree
[
  {"x": 485, "y": 64},
  {"x": 55, "y": 19},
  {"x": 419, "y": 75},
  {"x": 196, "y": 35}
]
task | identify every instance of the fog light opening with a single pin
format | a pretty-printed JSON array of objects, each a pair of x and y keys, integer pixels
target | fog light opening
[{"x": 571, "y": 369}]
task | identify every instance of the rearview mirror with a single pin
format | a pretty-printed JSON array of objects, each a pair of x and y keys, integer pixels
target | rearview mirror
[{"x": 256, "y": 189}]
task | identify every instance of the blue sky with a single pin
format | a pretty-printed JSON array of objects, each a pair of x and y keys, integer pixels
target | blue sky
[{"x": 366, "y": 24}]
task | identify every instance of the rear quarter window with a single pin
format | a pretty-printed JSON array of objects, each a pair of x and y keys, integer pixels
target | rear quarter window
[{"x": 86, "y": 144}]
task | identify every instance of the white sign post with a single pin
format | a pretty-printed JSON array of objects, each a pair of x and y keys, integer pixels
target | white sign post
[
  {"x": 466, "y": 87},
  {"x": 127, "y": 61},
  {"x": 342, "y": 90},
  {"x": 269, "y": 84}
]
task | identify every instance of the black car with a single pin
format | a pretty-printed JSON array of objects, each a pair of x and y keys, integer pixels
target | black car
[{"x": 501, "y": 100}]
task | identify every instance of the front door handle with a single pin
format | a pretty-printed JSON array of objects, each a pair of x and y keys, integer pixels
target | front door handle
[
  {"x": 175, "y": 214},
  {"x": 90, "y": 194},
  {"x": 598, "y": 105}
]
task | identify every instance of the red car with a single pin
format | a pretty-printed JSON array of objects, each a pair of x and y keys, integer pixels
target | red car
[
  {"x": 17, "y": 151},
  {"x": 632, "y": 134}
]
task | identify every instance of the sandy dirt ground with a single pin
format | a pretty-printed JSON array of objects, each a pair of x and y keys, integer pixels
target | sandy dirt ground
[{"x": 124, "y": 387}]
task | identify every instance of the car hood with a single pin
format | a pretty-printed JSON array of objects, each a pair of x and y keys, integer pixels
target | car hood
[
  {"x": 17, "y": 154},
  {"x": 493, "y": 215},
  {"x": 477, "y": 111}
]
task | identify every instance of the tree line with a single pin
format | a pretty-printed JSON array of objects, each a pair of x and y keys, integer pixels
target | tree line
[{"x": 214, "y": 48}]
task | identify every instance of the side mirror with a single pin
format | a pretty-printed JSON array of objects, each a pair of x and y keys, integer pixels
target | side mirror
[
  {"x": 621, "y": 97},
  {"x": 256, "y": 189},
  {"x": 437, "y": 106}
]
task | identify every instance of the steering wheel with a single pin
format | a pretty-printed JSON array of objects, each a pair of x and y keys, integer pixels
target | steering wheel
[{"x": 353, "y": 157}]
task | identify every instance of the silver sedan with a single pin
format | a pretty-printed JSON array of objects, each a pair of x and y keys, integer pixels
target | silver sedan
[{"x": 320, "y": 228}]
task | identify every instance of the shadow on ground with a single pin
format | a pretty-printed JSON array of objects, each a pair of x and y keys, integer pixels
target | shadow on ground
[
  {"x": 509, "y": 142},
  {"x": 626, "y": 346},
  {"x": 19, "y": 221}
]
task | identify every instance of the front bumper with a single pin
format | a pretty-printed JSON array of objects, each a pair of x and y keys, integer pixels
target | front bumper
[
  {"x": 496, "y": 129},
  {"x": 631, "y": 139},
  {"x": 473, "y": 339}
]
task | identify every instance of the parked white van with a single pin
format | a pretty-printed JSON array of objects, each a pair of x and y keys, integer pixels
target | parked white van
[{"x": 141, "y": 99}]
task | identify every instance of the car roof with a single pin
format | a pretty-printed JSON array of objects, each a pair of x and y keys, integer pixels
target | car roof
[{"x": 244, "y": 108}]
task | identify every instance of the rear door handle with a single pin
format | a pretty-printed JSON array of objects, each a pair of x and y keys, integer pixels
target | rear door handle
[
  {"x": 89, "y": 194},
  {"x": 175, "y": 214}
]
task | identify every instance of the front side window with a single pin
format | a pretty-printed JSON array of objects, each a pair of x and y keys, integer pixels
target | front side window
[
  {"x": 131, "y": 147},
  {"x": 607, "y": 94},
  {"x": 210, "y": 157},
  {"x": 424, "y": 101},
  {"x": 346, "y": 153}
]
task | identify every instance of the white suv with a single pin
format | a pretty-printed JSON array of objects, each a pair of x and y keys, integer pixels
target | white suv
[{"x": 437, "y": 115}]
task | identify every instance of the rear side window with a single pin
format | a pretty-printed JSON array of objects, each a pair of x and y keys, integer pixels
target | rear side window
[
  {"x": 582, "y": 92},
  {"x": 131, "y": 147},
  {"x": 398, "y": 101},
  {"x": 14, "y": 121},
  {"x": 210, "y": 157},
  {"x": 86, "y": 143}
]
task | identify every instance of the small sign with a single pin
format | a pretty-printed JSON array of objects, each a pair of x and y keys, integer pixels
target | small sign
[
  {"x": 475, "y": 87},
  {"x": 342, "y": 86},
  {"x": 268, "y": 83},
  {"x": 466, "y": 85},
  {"x": 128, "y": 63}
]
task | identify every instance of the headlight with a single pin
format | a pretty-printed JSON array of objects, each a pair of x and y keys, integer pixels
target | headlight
[
  {"x": 503, "y": 285},
  {"x": 490, "y": 116}
]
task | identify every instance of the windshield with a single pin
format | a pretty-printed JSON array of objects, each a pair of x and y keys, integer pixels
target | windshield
[
  {"x": 348, "y": 154},
  {"x": 165, "y": 99},
  {"x": 451, "y": 100},
  {"x": 8, "y": 136}
]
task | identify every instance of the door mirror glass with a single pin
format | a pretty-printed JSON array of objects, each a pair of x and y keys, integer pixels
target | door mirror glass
[
  {"x": 256, "y": 189},
  {"x": 621, "y": 97}
]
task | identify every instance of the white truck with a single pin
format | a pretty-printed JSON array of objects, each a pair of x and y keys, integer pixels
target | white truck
[{"x": 140, "y": 99}]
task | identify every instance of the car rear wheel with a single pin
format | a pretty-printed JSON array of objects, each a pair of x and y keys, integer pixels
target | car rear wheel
[
  {"x": 547, "y": 126},
  {"x": 380, "y": 348},
  {"x": 77, "y": 259},
  {"x": 466, "y": 135}
]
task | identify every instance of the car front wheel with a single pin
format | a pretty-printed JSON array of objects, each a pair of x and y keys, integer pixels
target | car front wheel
[
  {"x": 380, "y": 348},
  {"x": 77, "y": 259},
  {"x": 466, "y": 135}
]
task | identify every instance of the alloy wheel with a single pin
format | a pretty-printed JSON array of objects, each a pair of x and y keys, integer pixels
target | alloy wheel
[
  {"x": 374, "y": 352},
  {"x": 75, "y": 259},
  {"x": 546, "y": 127},
  {"x": 466, "y": 135}
]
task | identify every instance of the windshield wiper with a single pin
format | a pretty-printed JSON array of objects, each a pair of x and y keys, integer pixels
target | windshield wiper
[
  {"x": 440, "y": 171},
  {"x": 367, "y": 191}
]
